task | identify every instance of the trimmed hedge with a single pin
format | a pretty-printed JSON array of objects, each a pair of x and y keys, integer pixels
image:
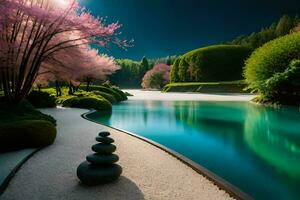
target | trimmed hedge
[
  {"x": 41, "y": 99},
  {"x": 113, "y": 92},
  {"x": 23, "y": 111},
  {"x": 21, "y": 126},
  {"x": 208, "y": 87},
  {"x": 272, "y": 69},
  {"x": 26, "y": 134},
  {"x": 96, "y": 103},
  {"x": 106, "y": 96},
  {"x": 209, "y": 64}
]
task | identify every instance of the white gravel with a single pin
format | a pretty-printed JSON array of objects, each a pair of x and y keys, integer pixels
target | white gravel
[
  {"x": 179, "y": 96},
  {"x": 148, "y": 172}
]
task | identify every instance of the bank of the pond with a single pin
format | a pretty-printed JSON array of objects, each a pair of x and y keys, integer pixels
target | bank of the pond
[
  {"x": 148, "y": 172},
  {"x": 176, "y": 96}
]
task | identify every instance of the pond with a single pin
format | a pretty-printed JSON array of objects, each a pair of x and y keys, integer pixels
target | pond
[{"x": 253, "y": 147}]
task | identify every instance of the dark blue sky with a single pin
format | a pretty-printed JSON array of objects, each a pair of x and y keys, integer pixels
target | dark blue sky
[{"x": 173, "y": 27}]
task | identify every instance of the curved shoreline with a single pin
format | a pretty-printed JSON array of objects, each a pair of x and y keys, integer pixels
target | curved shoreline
[
  {"x": 148, "y": 172},
  {"x": 15, "y": 169},
  {"x": 220, "y": 182}
]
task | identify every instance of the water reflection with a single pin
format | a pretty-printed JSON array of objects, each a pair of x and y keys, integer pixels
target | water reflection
[
  {"x": 274, "y": 135},
  {"x": 254, "y": 147}
]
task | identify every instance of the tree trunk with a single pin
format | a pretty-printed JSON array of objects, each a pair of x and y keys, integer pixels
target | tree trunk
[
  {"x": 88, "y": 82},
  {"x": 58, "y": 89},
  {"x": 70, "y": 92}
]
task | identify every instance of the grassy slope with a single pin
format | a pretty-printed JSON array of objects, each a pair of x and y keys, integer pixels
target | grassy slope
[{"x": 207, "y": 87}]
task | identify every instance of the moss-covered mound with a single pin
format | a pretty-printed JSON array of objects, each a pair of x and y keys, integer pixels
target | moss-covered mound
[
  {"x": 41, "y": 99},
  {"x": 96, "y": 103},
  {"x": 117, "y": 93},
  {"x": 21, "y": 126},
  {"x": 26, "y": 134},
  {"x": 210, "y": 64},
  {"x": 106, "y": 96},
  {"x": 273, "y": 70}
]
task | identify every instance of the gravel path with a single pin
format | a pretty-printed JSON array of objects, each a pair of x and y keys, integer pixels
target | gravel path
[{"x": 148, "y": 172}]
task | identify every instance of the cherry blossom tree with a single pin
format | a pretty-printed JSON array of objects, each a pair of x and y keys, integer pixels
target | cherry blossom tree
[
  {"x": 157, "y": 77},
  {"x": 41, "y": 36}
]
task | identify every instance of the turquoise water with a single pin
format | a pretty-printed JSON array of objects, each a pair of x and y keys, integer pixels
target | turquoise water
[{"x": 253, "y": 147}]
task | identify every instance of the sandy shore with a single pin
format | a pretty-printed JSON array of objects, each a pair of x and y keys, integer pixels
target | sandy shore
[
  {"x": 148, "y": 172},
  {"x": 176, "y": 96}
]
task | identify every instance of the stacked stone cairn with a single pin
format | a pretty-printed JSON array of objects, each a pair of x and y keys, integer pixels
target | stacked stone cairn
[{"x": 100, "y": 167}]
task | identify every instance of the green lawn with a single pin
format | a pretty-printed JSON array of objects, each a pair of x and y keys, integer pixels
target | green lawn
[{"x": 207, "y": 87}]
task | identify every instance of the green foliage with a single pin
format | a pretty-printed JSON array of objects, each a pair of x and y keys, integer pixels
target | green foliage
[
  {"x": 207, "y": 87},
  {"x": 22, "y": 126},
  {"x": 213, "y": 63},
  {"x": 26, "y": 134},
  {"x": 113, "y": 91},
  {"x": 96, "y": 103},
  {"x": 144, "y": 64},
  {"x": 23, "y": 111},
  {"x": 174, "y": 72},
  {"x": 169, "y": 60},
  {"x": 120, "y": 92},
  {"x": 41, "y": 99},
  {"x": 257, "y": 39},
  {"x": 132, "y": 72},
  {"x": 272, "y": 71},
  {"x": 106, "y": 96},
  {"x": 285, "y": 24}
]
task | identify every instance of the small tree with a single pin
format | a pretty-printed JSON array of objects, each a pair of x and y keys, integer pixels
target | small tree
[
  {"x": 54, "y": 34},
  {"x": 157, "y": 77},
  {"x": 102, "y": 66}
]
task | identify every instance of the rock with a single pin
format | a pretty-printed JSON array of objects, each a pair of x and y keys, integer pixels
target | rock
[
  {"x": 99, "y": 167},
  {"x": 104, "y": 148},
  {"x": 90, "y": 174},
  {"x": 104, "y": 134},
  {"x": 105, "y": 140},
  {"x": 100, "y": 159}
]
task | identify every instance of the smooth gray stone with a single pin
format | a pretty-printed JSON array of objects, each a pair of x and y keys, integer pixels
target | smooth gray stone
[
  {"x": 104, "y": 148},
  {"x": 104, "y": 134},
  {"x": 90, "y": 174},
  {"x": 105, "y": 140},
  {"x": 102, "y": 159}
]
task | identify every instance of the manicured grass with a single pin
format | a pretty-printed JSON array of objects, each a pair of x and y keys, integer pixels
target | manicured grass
[{"x": 207, "y": 87}]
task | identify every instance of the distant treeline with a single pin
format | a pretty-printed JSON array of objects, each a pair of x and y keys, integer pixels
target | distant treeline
[
  {"x": 285, "y": 25},
  {"x": 226, "y": 62},
  {"x": 132, "y": 72}
]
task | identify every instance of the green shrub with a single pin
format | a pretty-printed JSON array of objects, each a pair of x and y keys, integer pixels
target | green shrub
[
  {"x": 41, "y": 99},
  {"x": 106, "y": 90},
  {"x": 120, "y": 92},
  {"x": 21, "y": 126},
  {"x": 88, "y": 102},
  {"x": 107, "y": 96},
  {"x": 117, "y": 93},
  {"x": 213, "y": 63},
  {"x": 26, "y": 134},
  {"x": 272, "y": 71},
  {"x": 22, "y": 111}
]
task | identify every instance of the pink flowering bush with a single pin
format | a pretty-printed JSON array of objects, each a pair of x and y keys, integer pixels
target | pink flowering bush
[
  {"x": 157, "y": 77},
  {"x": 51, "y": 36}
]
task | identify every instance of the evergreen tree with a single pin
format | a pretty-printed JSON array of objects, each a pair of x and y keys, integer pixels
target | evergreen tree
[{"x": 285, "y": 24}]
